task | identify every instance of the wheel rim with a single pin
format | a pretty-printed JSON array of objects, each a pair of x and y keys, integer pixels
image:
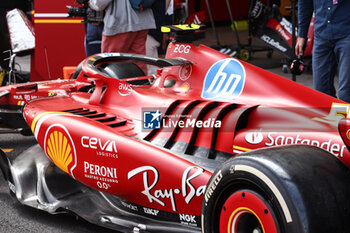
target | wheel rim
[{"x": 247, "y": 212}]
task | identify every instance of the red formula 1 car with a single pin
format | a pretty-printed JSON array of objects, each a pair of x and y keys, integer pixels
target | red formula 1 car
[{"x": 207, "y": 144}]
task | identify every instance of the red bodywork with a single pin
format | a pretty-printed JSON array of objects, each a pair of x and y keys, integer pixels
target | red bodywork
[
  {"x": 99, "y": 138},
  {"x": 55, "y": 35}
]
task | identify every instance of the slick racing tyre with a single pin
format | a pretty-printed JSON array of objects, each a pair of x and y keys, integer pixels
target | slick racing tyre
[{"x": 294, "y": 189}]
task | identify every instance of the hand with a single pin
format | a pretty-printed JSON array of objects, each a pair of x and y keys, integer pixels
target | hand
[{"x": 299, "y": 46}]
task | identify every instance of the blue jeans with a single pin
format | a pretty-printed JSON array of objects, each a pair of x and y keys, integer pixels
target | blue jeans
[
  {"x": 331, "y": 57},
  {"x": 93, "y": 38}
]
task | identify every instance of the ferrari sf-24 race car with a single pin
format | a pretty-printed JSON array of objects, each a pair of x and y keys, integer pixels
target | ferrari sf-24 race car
[{"x": 209, "y": 143}]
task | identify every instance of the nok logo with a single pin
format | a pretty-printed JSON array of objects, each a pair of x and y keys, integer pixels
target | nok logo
[
  {"x": 60, "y": 148},
  {"x": 224, "y": 81}
]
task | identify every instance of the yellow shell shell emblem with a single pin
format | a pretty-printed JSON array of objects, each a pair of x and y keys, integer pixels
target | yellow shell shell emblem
[{"x": 59, "y": 150}]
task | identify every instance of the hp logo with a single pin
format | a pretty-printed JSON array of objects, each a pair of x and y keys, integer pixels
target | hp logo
[{"x": 224, "y": 80}]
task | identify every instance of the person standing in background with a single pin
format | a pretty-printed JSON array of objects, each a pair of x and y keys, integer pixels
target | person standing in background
[
  {"x": 125, "y": 29},
  {"x": 93, "y": 38},
  {"x": 156, "y": 42},
  {"x": 331, "y": 50}
]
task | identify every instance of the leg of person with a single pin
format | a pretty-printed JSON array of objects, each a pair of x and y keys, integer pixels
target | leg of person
[
  {"x": 152, "y": 51},
  {"x": 152, "y": 46},
  {"x": 139, "y": 44},
  {"x": 93, "y": 38},
  {"x": 342, "y": 52},
  {"x": 119, "y": 43},
  {"x": 323, "y": 66}
]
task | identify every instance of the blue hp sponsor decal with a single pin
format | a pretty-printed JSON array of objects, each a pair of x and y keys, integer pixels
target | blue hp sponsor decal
[{"x": 224, "y": 80}]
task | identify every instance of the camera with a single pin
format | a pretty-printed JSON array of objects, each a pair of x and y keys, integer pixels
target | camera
[{"x": 85, "y": 11}]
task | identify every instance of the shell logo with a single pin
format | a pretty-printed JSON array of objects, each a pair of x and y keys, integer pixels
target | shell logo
[
  {"x": 60, "y": 148},
  {"x": 348, "y": 134}
]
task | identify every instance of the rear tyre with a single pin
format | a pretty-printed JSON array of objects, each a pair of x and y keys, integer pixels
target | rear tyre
[{"x": 293, "y": 189}]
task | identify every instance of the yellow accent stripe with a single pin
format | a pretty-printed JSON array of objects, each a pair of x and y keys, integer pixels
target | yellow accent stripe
[
  {"x": 57, "y": 21},
  {"x": 241, "y": 148},
  {"x": 7, "y": 150},
  {"x": 41, "y": 115},
  {"x": 36, "y": 120}
]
